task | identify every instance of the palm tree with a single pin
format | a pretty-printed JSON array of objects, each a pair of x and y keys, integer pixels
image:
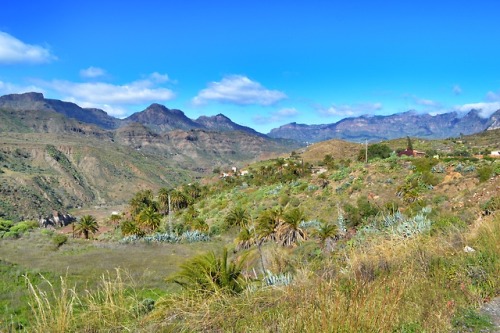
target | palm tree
[
  {"x": 115, "y": 219},
  {"x": 267, "y": 223},
  {"x": 211, "y": 274},
  {"x": 245, "y": 239},
  {"x": 238, "y": 216},
  {"x": 141, "y": 200},
  {"x": 325, "y": 232},
  {"x": 149, "y": 218},
  {"x": 163, "y": 200},
  {"x": 289, "y": 231},
  {"x": 87, "y": 224},
  {"x": 178, "y": 200}
]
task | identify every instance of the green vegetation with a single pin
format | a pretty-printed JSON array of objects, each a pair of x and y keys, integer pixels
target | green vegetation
[
  {"x": 87, "y": 225},
  {"x": 401, "y": 244}
]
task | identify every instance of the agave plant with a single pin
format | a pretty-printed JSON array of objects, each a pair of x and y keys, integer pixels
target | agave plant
[{"x": 211, "y": 274}]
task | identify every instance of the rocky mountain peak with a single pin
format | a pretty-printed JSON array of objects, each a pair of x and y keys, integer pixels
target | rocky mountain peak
[{"x": 25, "y": 97}]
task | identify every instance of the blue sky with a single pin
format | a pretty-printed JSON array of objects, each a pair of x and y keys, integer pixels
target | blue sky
[{"x": 261, "y": 63}]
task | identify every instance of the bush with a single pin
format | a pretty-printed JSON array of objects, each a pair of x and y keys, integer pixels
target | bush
[
  {"x": 377, "y": 150},
  {"x": 59, "y": 240},
  {"x": 485, "y": 173}
]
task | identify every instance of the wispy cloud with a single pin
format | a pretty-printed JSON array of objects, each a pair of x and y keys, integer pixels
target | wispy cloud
[
  {"x": 492, "y": 96},
  {"x": 240, "y": 90},
  {"x": 427, "y": 102},
  {"x": 457, "y": 90},
  {"x": 276, "y": 116},
  {"x": 92, "y": 72},
  {"x": 13, "y": 51},
  {"x": 350, "y": 110},
  {"x": 486, "y": 108},
  {"x": 113, "y": 98}
]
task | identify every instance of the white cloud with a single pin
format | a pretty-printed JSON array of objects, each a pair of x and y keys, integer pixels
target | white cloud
[
  {"x": 114, "y": 99},
  {"x": 486, "y": 109},
  {"x": 457, "y": 90},
  {"x": 92, "y": 72},
  {"x": 240, "y": 90},
  {"x": 99, "y": 92},
  {"x": 159, "y": 78},
  {"x": 276, "y": 116},
  {"x": 352, "y": 110},
  {"x": 427, "y": 102},
  {"x": 12, "y": 50}
]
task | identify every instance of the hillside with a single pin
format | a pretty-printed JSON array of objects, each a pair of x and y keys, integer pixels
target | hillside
[
  {"x": 55, "y": 155},
  {"x": 357, "y": 239}
]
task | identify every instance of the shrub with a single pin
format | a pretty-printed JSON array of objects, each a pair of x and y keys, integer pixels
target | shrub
[
  {"x": 485, "y": 173},
  {"x": 377, "y": 150},
  {"x": 59, "y": 240}
]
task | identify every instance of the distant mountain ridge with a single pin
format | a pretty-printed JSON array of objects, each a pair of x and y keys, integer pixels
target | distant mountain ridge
[
  {"x": 394, "y": 126},
  {"x": 160, "y": 120},
  {"x": 156, "y": 117},
  {"x": 36, "y": 101}
]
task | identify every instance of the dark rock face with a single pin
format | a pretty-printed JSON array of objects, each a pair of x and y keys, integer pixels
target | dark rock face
[
  {"x": 389, "y": 127},
  {"x": 56, "y": 220}
]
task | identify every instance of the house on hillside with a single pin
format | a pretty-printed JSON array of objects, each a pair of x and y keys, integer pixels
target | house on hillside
[
  {"x": 406, "y": 152},
  {"x": 412, "y": 153}
]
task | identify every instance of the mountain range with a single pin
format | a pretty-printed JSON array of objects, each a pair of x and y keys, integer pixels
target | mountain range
[
  {"x": 161, "y": 120},
  {"x": 56, "y": 155},
  {"x": 378, "y": 128}
]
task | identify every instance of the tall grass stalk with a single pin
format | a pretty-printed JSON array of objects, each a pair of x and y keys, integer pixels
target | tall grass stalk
[{"x": 52, "y": 310}]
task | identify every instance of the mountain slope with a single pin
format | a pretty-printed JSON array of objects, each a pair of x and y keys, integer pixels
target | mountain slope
[
  {"x": 222, "y": 123},
  {"x": 36, "y": 101},
  {"x": 161, "y": 119}
]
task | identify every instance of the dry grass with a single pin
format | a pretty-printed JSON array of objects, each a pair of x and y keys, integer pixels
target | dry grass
[{"x": 418, "y": 285}]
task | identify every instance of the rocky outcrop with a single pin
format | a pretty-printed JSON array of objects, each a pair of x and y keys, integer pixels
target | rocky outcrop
[{"x": 56, "y": 220}]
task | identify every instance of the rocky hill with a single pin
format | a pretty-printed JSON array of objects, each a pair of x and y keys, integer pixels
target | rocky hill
[
  {"x": 223, "y": 124},
  {"x": 36, "y": 102},
  {"x": 161, "y": 119},
  {"x": 377, "y": 128},
  {"x": 55, "y": 155}
]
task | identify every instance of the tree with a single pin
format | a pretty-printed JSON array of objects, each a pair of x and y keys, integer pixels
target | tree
[
  {"x": 149, "y": 218},
  {"x": 87, "y": 224},
  {"x": 289, "y": 231},
  {"x": 141, "y": 200},
  {"x": 245, "y": 239},
  {"x": 377, "y": 150},
  {"x": 211, "y": 274},
  {"x": 178, "y": 200},
  {"x": 163, "y": 194},
  {"x": 409, "y": 144},
  {"x": 267, "y": 223},
  {"x": 237, "y": 216},
  {"x": 115, "y": 219},
  {"x": 325, "y": 232}
]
